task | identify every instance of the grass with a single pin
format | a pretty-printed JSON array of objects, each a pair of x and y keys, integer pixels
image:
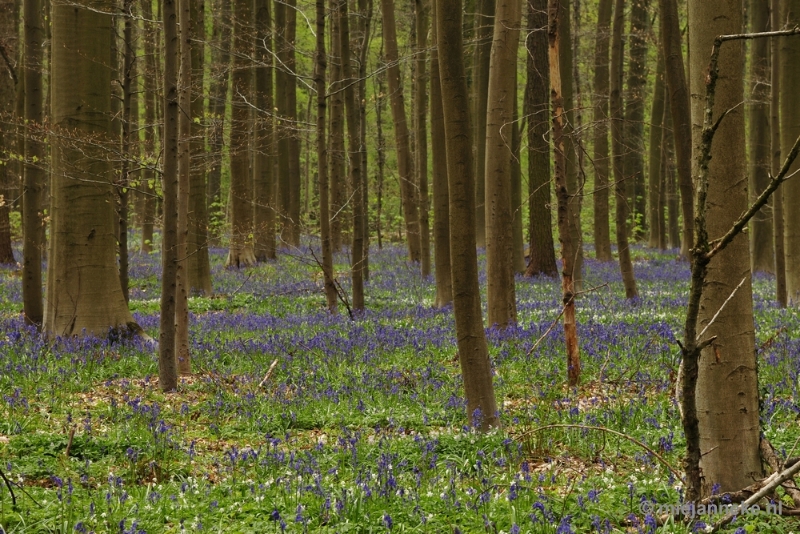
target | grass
[{"x": 361, "y": 426}]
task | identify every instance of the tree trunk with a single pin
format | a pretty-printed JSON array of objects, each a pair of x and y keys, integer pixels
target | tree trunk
[
  {"x": 673, "y": 208},
  {"x": 441, "y": 196},
  {"x": 338, "y": 185},
  {"x": 758, "y": 138},
  {"x": 565, "y": 236},
  {"x": 537, "y": 108},
  {"x": 322, "y": 158},
  {"x": 34, "y": 173},
  {"x": 654, "y": 155},
  {"x": 501, "y": 301},
  {"x": 381, "y": 149},
  {"x": 727, "y": 384},
  {"x": 681, "y": 114},
  {"x": 9, "y": 76},
  {"x": 127, "y": 78},
  {"x": 775, "y": 149},
  {"x": 421, "y": 134},
  {"x": 365, "y": 21},
  {"x": 483, "y": 27},
  {"x": 410, "y": 211},
  {"x": 220, "y": 72},
  {"x": 83, "y": 289},
  {"x": 602, "y": 232},
  {"x": 518, "y": 241},
  {"x": 473, "y": 352},
  {"x": 633, "y": 131},
  {"x": 790, "y": 129},
  {"x": 150, "y": 133},
  {"x": 167, "y": 361},
  {"x": 263, "y": 164},
  {"x": 354, "y": 141},
  {"x": 617, "y": 157},
  {"x": 199, "y": 267},
  {"x": 291, "y": 232},
  {"x": 241, "y": 252}
]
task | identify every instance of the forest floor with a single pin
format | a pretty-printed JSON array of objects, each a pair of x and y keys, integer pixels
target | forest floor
[{"x": 361, "y": 425}]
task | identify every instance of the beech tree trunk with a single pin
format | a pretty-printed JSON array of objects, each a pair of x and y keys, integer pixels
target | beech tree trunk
[
  {"x": 602, "y": 232},
  {"x": 441, "y": 196},
  {"x": 617, "y": 157},
  {"x": 654, "y": 155},
  {"x": 789, "y": 58},
  {"x": 34, "y": 174},
  {"x": 537, "y": 109},
  {"x": 483, "y": 30},
  {"x": 473, "y": 351},
  {"x": 775, "y": 149},
  {"x": 84, "y": 296},
  {"x": 678, "y": 91},
  {"x": 421, "y": 134},
  {"x": 148, "y": 187},
  {"x": 9, "y": 77},
  {"x": 291, "y": 233},
  {"x": 404, "y": 162},
  {"x": 240, "y": 253},
  {"x": 263, "y": 161},
  {"x": 339, "y": 190},
  {"x": 758, "y": 138},
  {"x": 220, "y": 61},
  {"x": 727, "y": 382},
  {"x": 501, "y": 299}
]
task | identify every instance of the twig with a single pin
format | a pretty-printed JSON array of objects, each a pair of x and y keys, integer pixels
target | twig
[
  {"x": 10, "y": 489},
  {"x": 69, "y": 442},
  {"x": 241, "y": 286},
  {"x": 269, "y": 373},
  {"x": 616, "y": 433},
  {"x": 339, "y": 290},
  {"x": 703, "y": 331}
]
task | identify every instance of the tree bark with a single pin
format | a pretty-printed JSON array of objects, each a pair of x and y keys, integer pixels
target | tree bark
[
  {"x": 758, "y": 138},
  {"x": 633, "y": 129},
  {"x": 681, "y": 115},
  {"x": 501, "y": 299},
  {"x": 775, "y": 149},
  {"x": 9, "y": 77},
  {"x": 220, "y": 72},
  {"x": 441, "y": 196},
  {"x": 421, "y": 134},
  {"x": 127, "y": 81},
  {"x": 291, "y": 233},
  {"x": 34, "y": 172},
  {"x": 618, "y": 150},
  {"x": 565, "y": 235},
  {"x": 483, "y": 28},
  {"x": 83, "y": 288},
  {"x": 150, "y": 132},
  {"x": 602, "y": 232},
  {"x": 338, "y": 185},
  {"x": 654, "y": 155},
  {"x": 263, "y": 164},
  {"x": 517, "y": 239},
  {"x": 537, "y": 109},
  {"x": 240, "y": 253},
  {"x": 404, "y": 162},
  {"x": 789, "y": 58},
  {"x": 473, "y": 351},
  {"x": 727, "y": 385}
]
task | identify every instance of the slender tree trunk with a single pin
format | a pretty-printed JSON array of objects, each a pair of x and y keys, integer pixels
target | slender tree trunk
[
  {"x": 758, "y": 139},
  {"x": 602, "y": 232},
  {"x": 199, "y": 267},
  {"x": 404, "y": 162},
  {"x": 365, "y": 8},
  {"x": 501, "y": 299},
  {"x": 292, "y": 235},
  {"x": 617, "y": 150},
  {"x": 9, "y": 77},
  {"x": 537, "y": 109},
  {"x": 568, "y": 246},
  {"x": 673, "y": 208},
  {"x": 128, "y": 64},
  {"x": 681, "y": 114},
  {"x": 663, "y": 173},
  {"x": 633, "y": 130},
  {"x": 241, "y": 253},
  {"x": 518, "y": 241},
  {"x": 775, "y": 142},
  {"x": 84, "y": 293},
  {"x": 284, "y": 131},
  {"x": 150, "y": 132},
  {"x": 167, "y": 361},
  {"x": 354, "y": 141},
  {"x": 441, "y": 196},
  {"x": 789, "y": 58},
  {"x": 473, "y": 351},
  {"x": 338, "y": 184},
  {"x": 264, "y": 179},
  {"x": 381, "y": 149},
  {"x": 184, "y": 158},
  {"x": 34, "y": 172},
  {"x": 727, "y": 381},
  {"x": 654, "y": 156},
  {"x": 421, "y": 133},
  {"x": 322, "y": 158},
  {"x": 483, "y": 27},
  {"x": 220, "y": 72}
]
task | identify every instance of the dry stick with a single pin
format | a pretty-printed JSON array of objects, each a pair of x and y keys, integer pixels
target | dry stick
[
  {"x": 768, "y": 454},
  {"x": 770, "y": 484},
  {"x": 616, "y": 433},
  {"x": 339, "y": 290},
  {"x": 10, "y": 489},
  {"x": 269, "y": 373},
  {"x": 563, "y": 309},
  {"x": 722, "y": 307}
]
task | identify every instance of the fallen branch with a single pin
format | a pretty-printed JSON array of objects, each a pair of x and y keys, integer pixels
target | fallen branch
[
  {"x": 10, "y": 489},
  {"x": 269, "y": 373}
]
